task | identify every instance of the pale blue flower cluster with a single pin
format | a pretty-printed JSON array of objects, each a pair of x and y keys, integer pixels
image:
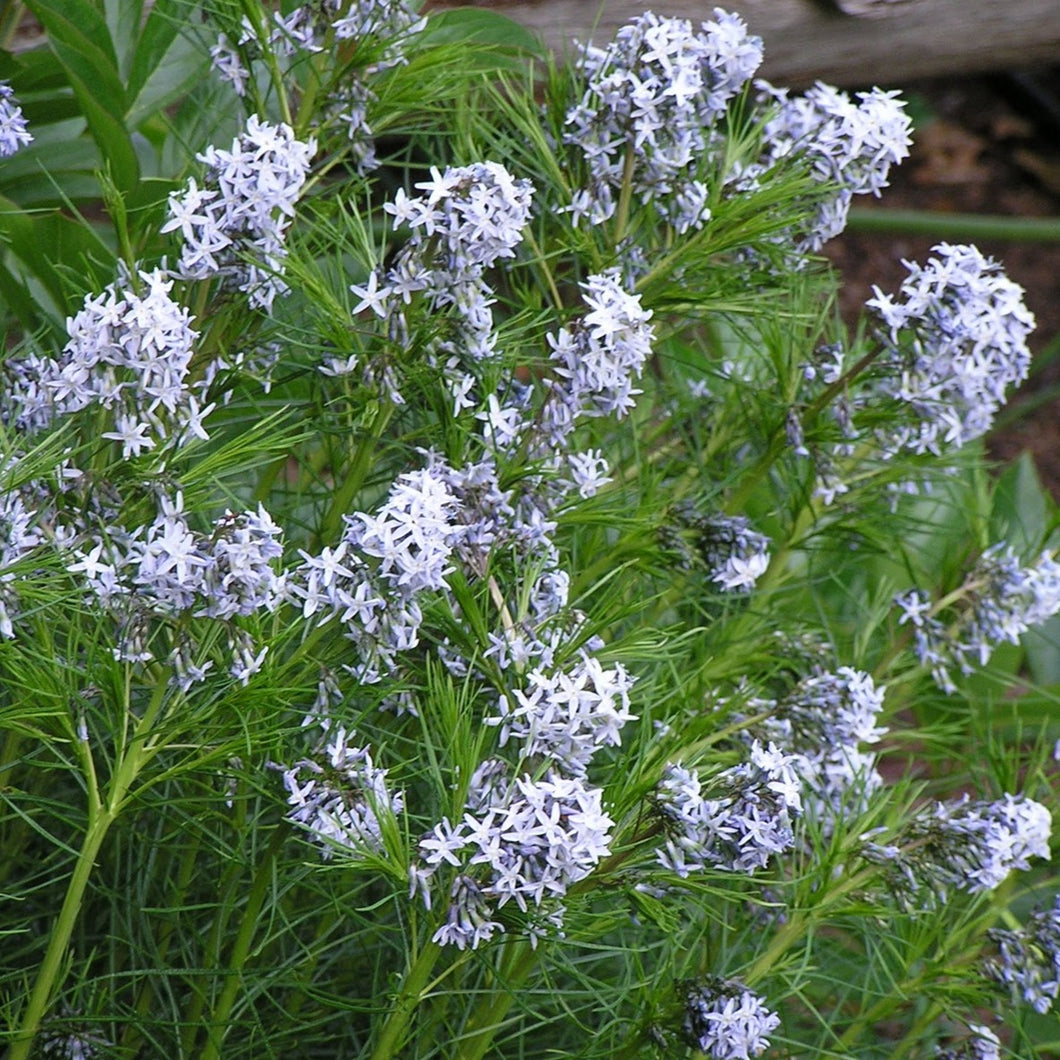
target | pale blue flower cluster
[
  {"x": 824, "y": 721},
  {"x": 733, "y": 554},
  {"x": 736, "y": 556},
  {"x": 129, "y": 353},
  {"x": 965, "y": 846},
  {"x": 234, "y": 226},
  {"x": 13, "y": 132},
  {"x": 166, "y": 569},
  {"x": 567, "y": 715},
  {"x": 651, "y": 101},
  {"x": 19, "y": 537},
  {"x": 527, "y": 842},
  {"x": 957, "y": 337},
  {"x": 339, "y": 795},
  {"x": 726, "y": 1021},
  {"x": 980, "y": 1044},
  {"x": 597, "y": 357},
  {"x": 469, "y": 219},
  {"x": 1000, "y": 600},
  {"x": 848, "y": 144},
  {"x": 372, "y": 581},
  {"x": 1029, "y": 959},
  {"x": 748, "y": 820},
  {"x": 381, "y": 28}
]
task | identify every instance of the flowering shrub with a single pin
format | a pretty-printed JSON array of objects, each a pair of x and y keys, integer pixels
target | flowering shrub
[{"x": 461, "y": 595}]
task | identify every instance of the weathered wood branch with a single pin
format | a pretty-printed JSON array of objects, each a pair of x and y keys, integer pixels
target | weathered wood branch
[{"x": 806, "y": 40}]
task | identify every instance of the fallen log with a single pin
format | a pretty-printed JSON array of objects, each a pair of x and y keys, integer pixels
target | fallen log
[{"x": 845, "y": 42}]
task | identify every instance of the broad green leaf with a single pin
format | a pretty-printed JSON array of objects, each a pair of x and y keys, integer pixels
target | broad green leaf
[
  {"x": 48, "y": 247},
  {"x": 1042, "y": 645},
  {"x": 479, "y": 26},
  {"x": 78, "y": 35},
  {"x": 166, "y": 65},
  {"x": 123, "y": 20},
  {"x": 1021, "y": 507}
]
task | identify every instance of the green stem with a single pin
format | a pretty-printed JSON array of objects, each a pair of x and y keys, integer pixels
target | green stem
[
  {"x": 49, "y": 974},
  {"x": 915, "y": 1038},
  {"x": 343, "y": 495},
  {"x": 956, "y": 225},
  {"x": 100, "y": 817},
  {"x": 625, "y": 196},
  {"x": 779, "y": 443},
  {"x": 395, "y": 1030},
  {"x": 487, "y": 1021},
  {"x": 241, "y": 947},
  {"x": 797, "y": 925}
]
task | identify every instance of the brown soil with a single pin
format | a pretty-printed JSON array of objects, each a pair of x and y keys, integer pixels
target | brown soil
[{"x": 982, "y": 146}]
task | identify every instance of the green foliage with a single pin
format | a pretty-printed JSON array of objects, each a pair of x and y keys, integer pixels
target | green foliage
[{"x": 164, "y": 896}]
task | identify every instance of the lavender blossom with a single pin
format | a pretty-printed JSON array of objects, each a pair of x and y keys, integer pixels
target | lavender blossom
[
  {"x": 823, "y": 721},
  {"x": 852, "y": 145},
  {"x": 469, "y": 219},
  {"x": 957, "y": 334},
  {"x": 129, "y": 353},
  {"x": 167, "y": 570},
  {"x": 725, "y": 1020},
  {"x": 981, "y": 1044},
  {"x": 526, "y": 842},
  {"x": 235, "y": 225},
  {"x": 19, "y": 537},
  {"x": 567, "y": 716},
  {"x": 1029, "y": 959},
  {"x": 742, "y": 828},
  {"x": 372, "y": 579},
  {"x": 13, "y": 132},
  {"x": 966, "y": 846},
  {"x": 734, "y": 555},
  {"x": 381, "y": 29},
  {"x": 652, "y": 97},
  {"x": 341, "y": 797},
  {"x": 597, "y": 358},
  {"x": 1000, "y": 602}
]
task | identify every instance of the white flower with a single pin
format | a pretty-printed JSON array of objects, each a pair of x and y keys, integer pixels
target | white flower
[
  {"x": 966, "y": 845},
  {"x": 526, "y": 843},
  {"x": 656, "y": 91},
  {"x": 741, "y": 829},
  {"x": 727, "y": 1021},
  {"x": 13, "y": 131},
  {"x": 1029, "y": 959},
  {"x": 235, "y": 225},
  {"x": 341, "y": 797},
  {"x": 958, "y": 342},
  {"x": 847, "y": 143},
  {"x": 568, "y": 715}
]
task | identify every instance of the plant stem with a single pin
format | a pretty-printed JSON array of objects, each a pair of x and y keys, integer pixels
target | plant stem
[
  {"x": 100, "y": 817},
  {"x": 956, "y": 225},
  {"x": 241, "y": 947},
  {"x": 488, "y": 1019},
  {"x": 412, "y": 990},
  {"x": 625, "y": 196},
  {"x": 49, "y": 974}
]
